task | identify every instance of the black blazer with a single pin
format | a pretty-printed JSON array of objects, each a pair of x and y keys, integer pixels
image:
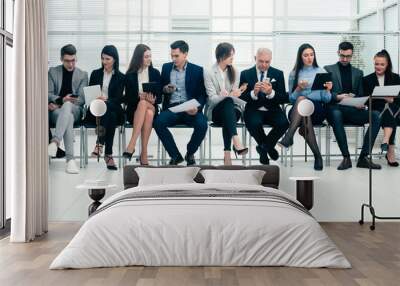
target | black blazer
[
  {"x": 369, "y": 83},
  {"x": 115, "y": 89},
  {"x": 356, "y": 81},
  {"x": 194, "y": 83},
  {"x": 132, "y": 91},
  {"x": 249, "y": 76}
]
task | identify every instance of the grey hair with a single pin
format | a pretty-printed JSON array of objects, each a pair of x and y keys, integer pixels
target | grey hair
[{"x": 264, "y": 50}]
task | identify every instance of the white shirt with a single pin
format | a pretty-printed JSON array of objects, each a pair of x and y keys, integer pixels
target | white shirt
[
  {"x": 381, "y": 80},
  {"x": 223, "y": 74},
  {"x": 143, "y": 77},
  {"x": 106, "y": 82},
  {"x": 269, "y": 96}
]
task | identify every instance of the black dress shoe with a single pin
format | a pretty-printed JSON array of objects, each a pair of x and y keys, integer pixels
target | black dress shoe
[
  {"x": 189, "y": 158},
  {"x": 364, "y": 162},
  {"x": 391, "y": 164},
  {"x": 263, "y": 152},
  {"x": 273, "y": 154},
  {"x": 318, "y": 163},
  {"x": 176, "y": 161},
  {"x": 60, "y": 153},
  {"x": 345, "y": 164}
]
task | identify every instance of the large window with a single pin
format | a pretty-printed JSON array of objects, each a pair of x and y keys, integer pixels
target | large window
[
  {"x": 91, "y": 24},
  {"x": 381, "y": 17},
  {"x": 6, "y": 41}
]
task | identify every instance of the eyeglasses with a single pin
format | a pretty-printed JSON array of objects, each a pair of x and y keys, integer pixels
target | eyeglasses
[{"x": 345, "y": 56}]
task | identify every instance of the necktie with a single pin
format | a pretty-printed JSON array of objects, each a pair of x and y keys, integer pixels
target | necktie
[{"x": 262, "y": 76}]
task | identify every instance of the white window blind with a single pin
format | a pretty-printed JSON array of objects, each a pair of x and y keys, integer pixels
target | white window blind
[
  {"x": 392, "y": 42},
  {"x": 91, "y": 24}
]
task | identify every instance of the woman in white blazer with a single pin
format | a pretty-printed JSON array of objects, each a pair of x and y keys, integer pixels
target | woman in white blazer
[{"x": 222, "y": 86}]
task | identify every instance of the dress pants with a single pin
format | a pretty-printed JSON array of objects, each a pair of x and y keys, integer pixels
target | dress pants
[
  {"x": 109, "y": 121},
  {"x": 169, "y": 119},
  {"x": 64, "y": 118},
  {"x": 339, "y": 115},
  {"x": 225, "y": 114},
  {"x": 255, "y": 119}
]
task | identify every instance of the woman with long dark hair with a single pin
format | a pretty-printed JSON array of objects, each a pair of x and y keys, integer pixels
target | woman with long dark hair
[
  {"x": 222, "y": 85},
  {"x": 301, "y": 80},
  {"x": 141, "y": 106},
  {"x": 112, "y": 83},
  {"x": 388, "y": 107}
]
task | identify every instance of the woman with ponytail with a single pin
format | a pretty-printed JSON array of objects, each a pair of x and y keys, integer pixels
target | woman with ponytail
[
  {"x": 388, "y": 107},
  {"x": 222, "y": 85}
]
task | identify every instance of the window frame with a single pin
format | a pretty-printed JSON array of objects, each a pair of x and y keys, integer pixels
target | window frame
[{"x": 6, "y": 40}]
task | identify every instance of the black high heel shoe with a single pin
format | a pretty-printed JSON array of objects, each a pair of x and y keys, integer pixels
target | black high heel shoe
[
  {"x": 128, "y": 155},
  {"x": 240, "y": 152},
  {"x": 141, "y": 163},
  {"x": 391, "y": 164}
]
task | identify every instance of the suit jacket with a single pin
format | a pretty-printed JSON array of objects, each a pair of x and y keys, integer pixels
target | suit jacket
[
  {"x": 132, "y": 91},
  {"x": 194, "y": 83},
  {"x": 213, "y": 82},
  {"x": 115, "y": 88},
  {"x": 278, "y": 85},
  {"x": 369, "y": 83},
  {"x": 79, "y": 81},
  {"x": 356, "y": 81}
]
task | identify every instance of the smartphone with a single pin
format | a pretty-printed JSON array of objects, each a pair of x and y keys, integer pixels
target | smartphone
[
  {"x": 74, "y": 95},
  {"x": 172, "y": 87},
  {"x": 267, "y": 79}
]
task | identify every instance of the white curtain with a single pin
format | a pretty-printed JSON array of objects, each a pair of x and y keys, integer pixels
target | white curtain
[{"x": 27, "y": 123}]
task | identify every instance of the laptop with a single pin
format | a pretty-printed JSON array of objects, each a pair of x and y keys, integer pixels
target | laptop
[
  {"x": 91, "y": 92},
  {"x": 388, "y": 90}
]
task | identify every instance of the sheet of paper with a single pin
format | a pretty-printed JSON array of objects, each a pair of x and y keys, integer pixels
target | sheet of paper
[
  {"x": 388, "y": 90},
  {"x": 354, "y": 101},
  {"x": 190, "y": 104},
  {"x": 91, "y": 93}
]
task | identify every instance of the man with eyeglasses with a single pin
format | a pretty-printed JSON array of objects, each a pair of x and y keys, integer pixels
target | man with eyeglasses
[
  {"x": 347, "y": 83},
  {"x": 65, "y": 102}
]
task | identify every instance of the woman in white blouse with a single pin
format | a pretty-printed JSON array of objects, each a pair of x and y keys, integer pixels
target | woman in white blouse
[
  {"x": 222, "y": 86},
  {"x": 141, "y": 106}
]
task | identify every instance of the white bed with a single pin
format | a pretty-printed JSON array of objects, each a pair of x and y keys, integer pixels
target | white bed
[{"x": 184, "y": 230}]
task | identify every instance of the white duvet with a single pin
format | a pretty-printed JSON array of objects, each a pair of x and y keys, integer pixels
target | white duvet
[{"x": 200, "y": 231}]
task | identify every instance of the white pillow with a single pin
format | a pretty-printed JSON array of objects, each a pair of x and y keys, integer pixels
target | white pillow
[
  {"x": 248, "y": 177},
  {"x": 166, "y": 176}
]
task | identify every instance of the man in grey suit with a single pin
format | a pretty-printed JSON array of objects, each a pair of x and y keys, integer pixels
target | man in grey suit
[
  {"x": 65, "y": 102},
  {"x": 347, "y": 82}
]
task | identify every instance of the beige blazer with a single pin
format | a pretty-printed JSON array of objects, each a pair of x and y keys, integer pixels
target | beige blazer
[{"x": 213, "y": 82}]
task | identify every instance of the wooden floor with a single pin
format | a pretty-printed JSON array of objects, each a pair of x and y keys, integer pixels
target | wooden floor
[{"x": 375, "y": 257}]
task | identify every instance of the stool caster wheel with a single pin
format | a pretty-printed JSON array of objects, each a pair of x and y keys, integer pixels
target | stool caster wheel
[
  {"x": 361, "y": 222},
  {"x": 372, "y": 227}
]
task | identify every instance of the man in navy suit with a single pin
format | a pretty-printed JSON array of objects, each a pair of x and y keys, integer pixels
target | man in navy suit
[
  {"x": 265, "y": 92},
  {"x": 182, "y": 81}
]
